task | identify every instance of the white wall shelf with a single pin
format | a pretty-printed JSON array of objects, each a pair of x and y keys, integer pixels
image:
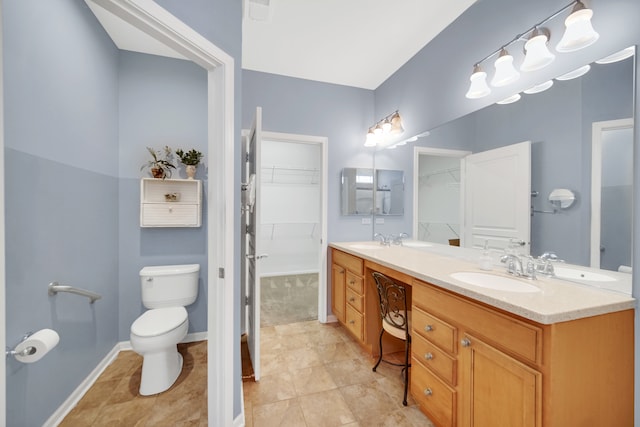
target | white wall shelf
[
  {"x": 170, "y": 202},
  {"x": 273, "y": 174}
]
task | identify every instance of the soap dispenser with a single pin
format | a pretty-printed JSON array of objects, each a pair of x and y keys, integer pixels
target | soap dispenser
[{"x": 486, "y": 262}]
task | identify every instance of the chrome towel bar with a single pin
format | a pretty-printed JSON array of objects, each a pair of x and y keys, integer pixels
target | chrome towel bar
[{"x": 55, "y": 287}]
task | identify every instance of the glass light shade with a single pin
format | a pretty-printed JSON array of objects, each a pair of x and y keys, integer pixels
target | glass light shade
[
  {"x": 371, "y": 140},
  {"x": 396, "y": 124},
  {"x": 539, "y": 88},
  {"x": 575, "y": 73},
  {"x": 505, "y": 72},
  {"x": 579, "y": 32},
  {"x": 538, "y": 55},
  {"x": 377, "y": 131},
  {"x": 386, "y": 126},
  {"x": 478, "y": 87},
  {"x": 510, "y": 100},
  {"x": 618, "y": 56}
]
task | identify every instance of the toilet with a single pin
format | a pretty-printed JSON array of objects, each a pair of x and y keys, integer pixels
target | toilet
[{"x": 166, "y": 290}]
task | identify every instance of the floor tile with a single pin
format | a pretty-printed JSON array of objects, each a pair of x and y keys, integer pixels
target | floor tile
[
  {"x": 326, "y": 409},
  {"x": 286, "y": 413}
]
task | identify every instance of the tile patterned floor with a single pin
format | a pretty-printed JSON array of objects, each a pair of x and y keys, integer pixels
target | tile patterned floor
[
  {"x": 315, "y": 374},
  {"x": 114, "y": 400},
  {"x": 288, "y": 299}
]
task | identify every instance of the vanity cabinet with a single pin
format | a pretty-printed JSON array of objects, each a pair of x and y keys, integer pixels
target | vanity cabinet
[
  {"x": 347, "y": 290},
  {"x": 475, "y": 365}
]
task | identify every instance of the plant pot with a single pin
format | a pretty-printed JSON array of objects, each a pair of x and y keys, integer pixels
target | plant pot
[
  {"x": 191, "y": 171},
  {"x": 158, "y": 173}
]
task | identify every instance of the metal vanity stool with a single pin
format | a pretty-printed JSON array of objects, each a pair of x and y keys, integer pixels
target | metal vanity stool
[{"x": 396, "y": 320}]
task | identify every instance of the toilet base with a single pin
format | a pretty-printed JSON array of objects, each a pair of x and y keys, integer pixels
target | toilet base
[{"x": 160, "y": 370}]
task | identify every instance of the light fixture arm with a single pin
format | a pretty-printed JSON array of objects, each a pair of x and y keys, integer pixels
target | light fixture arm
[{"x": 520, "y": 37}]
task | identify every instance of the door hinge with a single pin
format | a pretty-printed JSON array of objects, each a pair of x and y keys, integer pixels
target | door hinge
[
  {"x": 246, "y": 157},
  {"x": 246, "y": 300},
  {"x": 221, "y": 273}
]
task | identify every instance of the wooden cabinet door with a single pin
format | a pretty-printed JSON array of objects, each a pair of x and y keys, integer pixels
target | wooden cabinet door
[
  {"x": 338, "y": 285},
  {"x": 497, "y": 390}
]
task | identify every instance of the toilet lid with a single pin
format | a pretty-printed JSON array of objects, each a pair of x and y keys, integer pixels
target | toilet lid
[{"x": 159, "y": 321}]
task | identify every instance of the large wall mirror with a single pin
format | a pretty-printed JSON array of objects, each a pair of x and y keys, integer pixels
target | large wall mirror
[
  {"x": 560, "y": 124},
  {"x": 372, "y": 192}
]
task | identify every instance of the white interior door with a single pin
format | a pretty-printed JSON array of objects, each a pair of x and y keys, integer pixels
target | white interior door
[
  {"x": 496, "y": 197},
  {"x": 252, "y": 254}
]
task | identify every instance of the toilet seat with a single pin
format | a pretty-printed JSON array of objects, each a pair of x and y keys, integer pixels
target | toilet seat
[{"x": 159, "y": 321}]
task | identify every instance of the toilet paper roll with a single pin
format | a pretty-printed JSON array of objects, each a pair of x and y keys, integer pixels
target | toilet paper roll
[{"x": 37, "y": 345}]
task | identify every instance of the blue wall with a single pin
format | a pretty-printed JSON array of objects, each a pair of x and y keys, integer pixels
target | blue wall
[
  {"x": 162, "y": 102},
  {"x": 307, "y": 107},
  {"x": 61, "y": 196},
  {"x": 78, "y": 118}
]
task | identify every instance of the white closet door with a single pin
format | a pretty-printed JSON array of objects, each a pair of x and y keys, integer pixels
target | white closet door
[{"x": 496, "y": 194}]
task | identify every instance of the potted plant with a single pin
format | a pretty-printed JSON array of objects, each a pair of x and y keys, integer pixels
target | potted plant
[
  {"x": 160, "y": 164},
  {"x": 191, "y": 159}
]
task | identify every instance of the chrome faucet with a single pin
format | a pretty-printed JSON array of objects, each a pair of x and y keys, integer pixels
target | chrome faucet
[
  {"x": 397, "y": 240},
  {"x": 545, "y": 265},
  {"x": 516, "y": 267},
  {"x": 384, "y": 240}
]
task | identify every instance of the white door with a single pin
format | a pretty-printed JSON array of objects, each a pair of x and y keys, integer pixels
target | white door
[
  {"x": 251, "y": 250},
  {"x": 496, "y": 197}
]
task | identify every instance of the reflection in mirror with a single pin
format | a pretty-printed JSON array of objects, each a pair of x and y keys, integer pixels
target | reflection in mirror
[
  {"x": 389, "y": 192},
  {"x": 559, "y": 123},
  {"x": 357, "y": 191},
  {"x": 611, "y": 195}
]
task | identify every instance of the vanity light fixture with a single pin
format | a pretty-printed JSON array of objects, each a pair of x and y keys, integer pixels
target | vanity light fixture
[
  {"x": 510, "y": 100},
  {"x": 579, "y": 34},
  {"x": 505, "y": 71},
  {"x": 539, "y": 88},
  {"x": 389, "y": 126},
  {"x": 618, "y": 56},
  {"x": 578, "y": 72},
  {"x": 479, "y": 86},
  {"x": 538, "y": 55}
]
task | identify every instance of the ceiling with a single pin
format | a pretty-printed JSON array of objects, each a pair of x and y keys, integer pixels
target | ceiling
[{"x": 357, "y": 43}]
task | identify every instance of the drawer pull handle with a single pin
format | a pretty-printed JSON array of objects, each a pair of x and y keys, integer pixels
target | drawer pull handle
[
  {"x": 352, "y": 322},
  {"x": 428, "y": 328},
  {"x": 428, "y": 392},
  {"x": 465, "y": 342},
  {"x": 352, "y": 282},
  {"x": 428, "y": 356},
  {"x": 352, "y": 299}
]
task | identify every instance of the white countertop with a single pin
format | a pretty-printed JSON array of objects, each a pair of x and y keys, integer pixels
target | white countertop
[{"x": 557, "y": 301}]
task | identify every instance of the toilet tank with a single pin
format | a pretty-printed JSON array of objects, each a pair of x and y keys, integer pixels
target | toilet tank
[{"x": 169, "y": 285}]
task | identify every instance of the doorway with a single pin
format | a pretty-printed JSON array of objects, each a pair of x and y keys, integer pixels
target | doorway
[
  {"x": 436, "y": 199},
  {"x": 284, "y": 260}
]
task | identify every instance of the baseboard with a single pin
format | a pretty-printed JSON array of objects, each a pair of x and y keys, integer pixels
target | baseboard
[
  {"x": 240, "y": 421},
  {"x": 331, "y": 318},
  {"x": 73, "y": 399}
]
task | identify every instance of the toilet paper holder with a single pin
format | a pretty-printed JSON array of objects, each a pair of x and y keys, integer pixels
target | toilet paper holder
[{"x": 28, "y": 351}]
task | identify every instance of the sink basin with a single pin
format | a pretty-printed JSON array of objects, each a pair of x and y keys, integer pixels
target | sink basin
[
  {"x": 569, "y": 273},
  {"x": 492, "y": 281},
  {"x": 366, "y": 246},
  {"x": 416, "y": 244}
]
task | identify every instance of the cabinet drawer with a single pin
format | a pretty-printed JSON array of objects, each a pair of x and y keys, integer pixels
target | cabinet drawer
[
  {"x": 434, "y": 329},
  {"x": 514, "y": 336},
  {"x": 434, "y": 358},
  {"x": 350, "y": 262},
  {"x": 356, "y": 300},
  {"x": 355, "y": 282},
  {"x": 169, "y": 215},
  {"x": 354, "y": 322},
  {"x": 435, "y": 398}
]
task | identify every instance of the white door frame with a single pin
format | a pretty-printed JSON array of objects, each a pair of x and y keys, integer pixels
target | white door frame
[
  {"x": 323, "y": 141},
  {"x": 3, "y": 301},
  {"x": 597, "y": 130},
  {"x": 158, "y": 23},
  {"x": 417, "y": 152}
]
